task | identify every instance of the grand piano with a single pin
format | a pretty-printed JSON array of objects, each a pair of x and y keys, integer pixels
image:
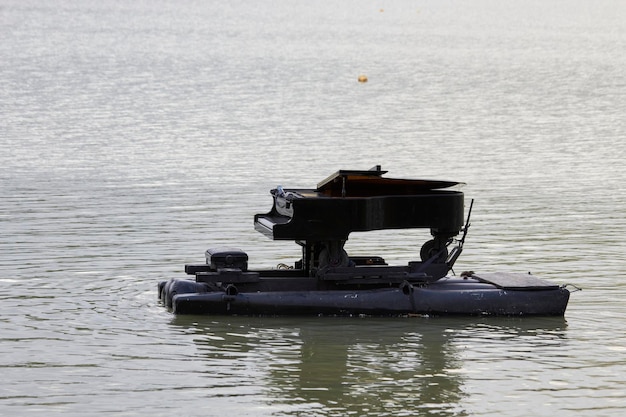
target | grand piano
[{"x": 321, "y": 219}]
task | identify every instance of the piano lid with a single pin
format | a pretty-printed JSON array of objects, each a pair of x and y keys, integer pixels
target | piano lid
[{"x": 371, "y": 183}]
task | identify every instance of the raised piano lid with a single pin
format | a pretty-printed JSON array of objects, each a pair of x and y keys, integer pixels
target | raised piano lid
[{"x": 370, "y": 183}]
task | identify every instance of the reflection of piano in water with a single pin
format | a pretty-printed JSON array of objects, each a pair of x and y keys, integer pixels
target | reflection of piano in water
[
  {"x": 374, "y": 368},
  {"x": 368, "y": 367},
  {"x": 327, "y": 280}
]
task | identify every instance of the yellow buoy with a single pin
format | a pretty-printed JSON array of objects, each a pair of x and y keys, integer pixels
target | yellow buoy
[{"x": 362, "y": 78}]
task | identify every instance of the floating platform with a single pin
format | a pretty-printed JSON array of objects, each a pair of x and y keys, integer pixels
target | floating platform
[{"x": 326, "y": 280}]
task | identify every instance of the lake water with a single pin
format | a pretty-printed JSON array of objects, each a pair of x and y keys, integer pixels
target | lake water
[{"x": 135, "y": 135}]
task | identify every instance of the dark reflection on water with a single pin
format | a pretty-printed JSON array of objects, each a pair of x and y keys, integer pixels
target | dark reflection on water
[{"x": 337, "y": 366}]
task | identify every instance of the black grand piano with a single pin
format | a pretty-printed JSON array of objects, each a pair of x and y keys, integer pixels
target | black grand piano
[{"x": 326, "y": 280}]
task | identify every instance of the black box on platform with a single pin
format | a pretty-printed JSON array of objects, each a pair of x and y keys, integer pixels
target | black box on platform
[{"x": 219, "y": 258}]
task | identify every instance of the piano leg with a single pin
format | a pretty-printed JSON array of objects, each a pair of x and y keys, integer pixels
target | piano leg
[
  {"x": 436, "y": 248},
  {"x": 333, "y": 255}
]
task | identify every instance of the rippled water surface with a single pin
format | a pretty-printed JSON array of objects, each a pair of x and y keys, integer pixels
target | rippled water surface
[{"x": 137, "y": 134}]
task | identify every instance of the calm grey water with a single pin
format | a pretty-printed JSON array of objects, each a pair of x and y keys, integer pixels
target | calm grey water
[{"x": 135, "y": 135}]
